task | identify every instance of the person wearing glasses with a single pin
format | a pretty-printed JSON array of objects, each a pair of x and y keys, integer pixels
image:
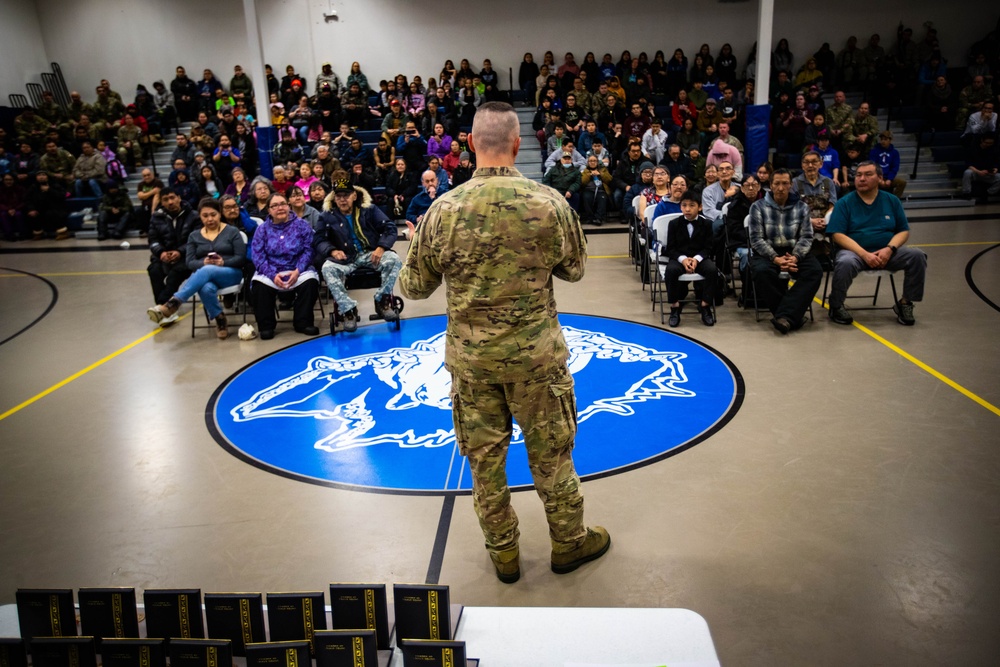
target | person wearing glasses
[
  {"x": 353, "y": 234},
  {"x": 820, "y": 194},
  {"x": 282, "y": 254}
]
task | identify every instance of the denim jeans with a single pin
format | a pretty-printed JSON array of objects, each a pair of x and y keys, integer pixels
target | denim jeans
[
  {"x": 92, "y": 184},
  {"x": 207, "y": 281}
]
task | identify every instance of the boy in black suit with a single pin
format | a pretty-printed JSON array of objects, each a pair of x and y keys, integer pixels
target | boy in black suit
[{"x": 689, "y": 247}]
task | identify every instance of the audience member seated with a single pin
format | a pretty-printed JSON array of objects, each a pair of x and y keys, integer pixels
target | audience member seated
[
  {"x": 354, "y": 234},
  {"x": 981, "y": 123},
  {"x": 870, "y": 228},
  {"x": 820, "y": 194},
  {"x": 863, "y": 128},
  {"x": 261, "y": 190},
  {"x": 716, "y": 194},
  {"x": 115, "y": 212},
  {"x": 838, "y": 117},
  {"x": 654, "y": 142},
  {"x": 886, "y": 157},
  {"x": 282, "y": 256},
  {"x": 831, "y": 159},
  {"x": 565, "y": 178},
  {"x": 30, "y": 127},
  {"x": 595, "y": 192},
  {"x": 412, "y": 147},
  {"x": 463, "y": 172},
  {"x": 655, "y": 193},
  {"x": 434, "y": 164},
  {"x": 672, "y": 202},
  {"x": 89, "y": 172},
  {"x": 982, "y": 165},
  {"x": 579, "y": 161},
  {"x": 238, "y": 186},
  {"x": 169, "y": 229},
  {"x": 736, "y": 213},
  {"x": 626, "y": 173},
  {"x": 45, "y": 209},
  {"x": 214, "y": 255},
  {"x": 971, "y": 99},
  {"x": 186, "y": 188},
  {"x": 208, "y": 183},
  {"x": 424, "y": 198},
  {"x": 780, "y": 236},
  {"x": 11, "y": 208},
  {"x": 794, "y": 122},
  {"x": 644, "y": 180},
  {"x": 720, "y": 152},
  {"x": 58, "y": 164},
  {"x": 589, "y": 136},
  {"x": 298, "y": 201},
  {"x": 689, "y": 250}
]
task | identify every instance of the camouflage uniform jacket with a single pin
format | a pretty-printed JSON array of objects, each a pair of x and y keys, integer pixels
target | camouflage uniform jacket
[
  {"x": 496, "y": 241},
  {"x": 108, "y": 110},
  {"x": 25, "y": 127},
  {"x": 839, "y": 116},
  {"x": 60, "y": 164},
  {"x": 52, "y": 113},
  {"x": 76, "y": 110},
  {"x": 867, "y": 125},
  {"x": 970, "y": 96}
]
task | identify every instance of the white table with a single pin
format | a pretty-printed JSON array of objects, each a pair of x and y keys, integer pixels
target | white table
[{"x": 577, "y": 637}]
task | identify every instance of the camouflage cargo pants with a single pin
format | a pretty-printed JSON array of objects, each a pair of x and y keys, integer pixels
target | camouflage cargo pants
[
  {"x": 334, "y": 273},
  {"x": 545, "y": 409}
]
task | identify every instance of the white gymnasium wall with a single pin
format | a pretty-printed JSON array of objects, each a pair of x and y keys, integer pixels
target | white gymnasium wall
[
  {"x": 22, "y": 50},
  {"x": 142, "y": 40}
]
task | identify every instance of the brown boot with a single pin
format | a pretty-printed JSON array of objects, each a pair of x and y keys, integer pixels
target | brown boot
[
  {"x": 594, "y": 546},
  {"x": 507, "y": 564},
  {"x": 221, "y": 327},
  {"x": 63, "y": 234}
]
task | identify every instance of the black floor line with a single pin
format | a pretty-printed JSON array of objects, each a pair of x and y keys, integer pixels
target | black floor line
[
  {"x": 96, "y": 248},
  {"x": 972, "y": 283},
  {"x": 52, "y": 302},
  {"x": 440, "y": 540}
]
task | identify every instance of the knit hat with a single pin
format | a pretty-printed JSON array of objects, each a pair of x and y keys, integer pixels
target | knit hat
[
  {"x": 646, "y": 165},
  {"x": 464, "y": 155}
]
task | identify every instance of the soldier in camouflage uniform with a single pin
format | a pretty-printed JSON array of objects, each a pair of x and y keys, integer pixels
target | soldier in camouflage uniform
[
  {"x": 497, "y": 241},
  {"x": 58, "y": 164},
  {"x": 31, "y": 127},
  {"x": 353, "y": 235},
  {"x": 53, "y": 114},
  {"x": 971, "y": 100},
  {"x": 863, "y": 128}
]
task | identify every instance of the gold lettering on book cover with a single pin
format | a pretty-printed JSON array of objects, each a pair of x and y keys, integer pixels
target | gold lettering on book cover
[
  {"x": 54, "y": 619},
  {"x": 185, "y": 616},
  {"x": 145, "y": 656},
  {"x": 245, "y": 620},
  {"x": 370, "y": 608},
  {"x": 434, "y": 613},
  {"x": 358, "y": 648},
  {"x": 116, "y": 614},
  {"x": 291, "y": 658},
  {"x": 307, "y": 620},
  {"x": 447, "y": 658}
]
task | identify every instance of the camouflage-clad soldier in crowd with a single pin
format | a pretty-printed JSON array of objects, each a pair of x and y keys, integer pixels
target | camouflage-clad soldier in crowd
[
  {"x": 58, "y": 163},
  {"x": 30, "y": 127},
  {"x": 107, "y": 111},
  {"x": 497, "y": 241}
]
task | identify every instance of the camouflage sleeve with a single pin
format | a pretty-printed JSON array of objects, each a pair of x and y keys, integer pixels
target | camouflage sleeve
[
  {"x": 421, "y": 273},
  {"x": 574, "y": 245}
]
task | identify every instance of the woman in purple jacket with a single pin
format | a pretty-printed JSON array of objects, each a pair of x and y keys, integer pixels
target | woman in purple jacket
[
  {"x": 439, "y": 143},
  {"x": 282, "y": 254}
]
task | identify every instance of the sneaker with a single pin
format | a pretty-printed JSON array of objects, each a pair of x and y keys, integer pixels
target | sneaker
[
  {"x": 675, "y": 317},
  {"x": 221, "y": 327},
  {"x": 63, "y": 234},
  {"x": 904, "y": 313},
  {"x": 594, "y": 546},
  {"x": 706, "y": 316},
  {"x": 507, "y": 565},
  {"x": 841, "y": 315},
  {"x": 351, "y": 320},
  {"x": 782, "y": 325},
  {"x": 168, "y": 321}
]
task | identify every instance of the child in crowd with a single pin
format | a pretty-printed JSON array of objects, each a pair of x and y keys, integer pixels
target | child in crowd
[{"x": 689, "y": 250}]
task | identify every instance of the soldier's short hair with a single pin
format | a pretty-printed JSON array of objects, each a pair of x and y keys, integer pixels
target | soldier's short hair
[{"x": 495, "y": 128}]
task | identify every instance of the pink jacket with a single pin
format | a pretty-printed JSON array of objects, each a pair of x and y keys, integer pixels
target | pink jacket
[{"x": 723, "y": 152}]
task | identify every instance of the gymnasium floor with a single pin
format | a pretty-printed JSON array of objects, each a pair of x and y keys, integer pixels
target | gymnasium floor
[{"x": 849, "y": 513}]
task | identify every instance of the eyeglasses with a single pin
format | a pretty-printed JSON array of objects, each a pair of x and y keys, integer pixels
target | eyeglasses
[{"x": 275, "y": 206}]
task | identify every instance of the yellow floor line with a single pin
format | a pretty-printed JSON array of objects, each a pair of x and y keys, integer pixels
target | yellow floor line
[
  {"x": 919, "y": 364},
  {"x": 606, "y": 256},
  {"x": 86, "y": 370},
  {"x": 77, "y": 273}
]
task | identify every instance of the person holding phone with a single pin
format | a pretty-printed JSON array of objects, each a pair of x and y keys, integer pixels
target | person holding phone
[{"x": 215, "y": 255}]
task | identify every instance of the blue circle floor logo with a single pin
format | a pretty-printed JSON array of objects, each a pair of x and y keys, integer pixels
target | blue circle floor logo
[{"x": 372, "y": 410}]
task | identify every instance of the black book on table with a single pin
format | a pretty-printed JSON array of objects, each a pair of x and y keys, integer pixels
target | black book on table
[
  {"x": 238, "y": 617},
  {"x": 63, "y": 652},
  {"x": 46, "y": 612},
  {"x": 361, "y": 606},
  {"x": 279, "y": 654},
  {"x": 346, "y": 648},
  {"x": 200, "y": 653},
  {"x": 173, "y": 613},
  {"x": 422, "y": 612},
  {"x": 107, "y": 613},
  {"x": 13, "y": 652},
  {"x": 129, "y": 652},
  {"x": 433, "y": 653},
  {"x": 295, "y": 616}
]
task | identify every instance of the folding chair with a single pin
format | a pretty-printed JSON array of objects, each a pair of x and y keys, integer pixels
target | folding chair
[
  {"x": 636, "y": 241},
  {"x": 753, "y": 285},
  {"x": 661, "y": 226},
  {"x": 650, "y": 238}
]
